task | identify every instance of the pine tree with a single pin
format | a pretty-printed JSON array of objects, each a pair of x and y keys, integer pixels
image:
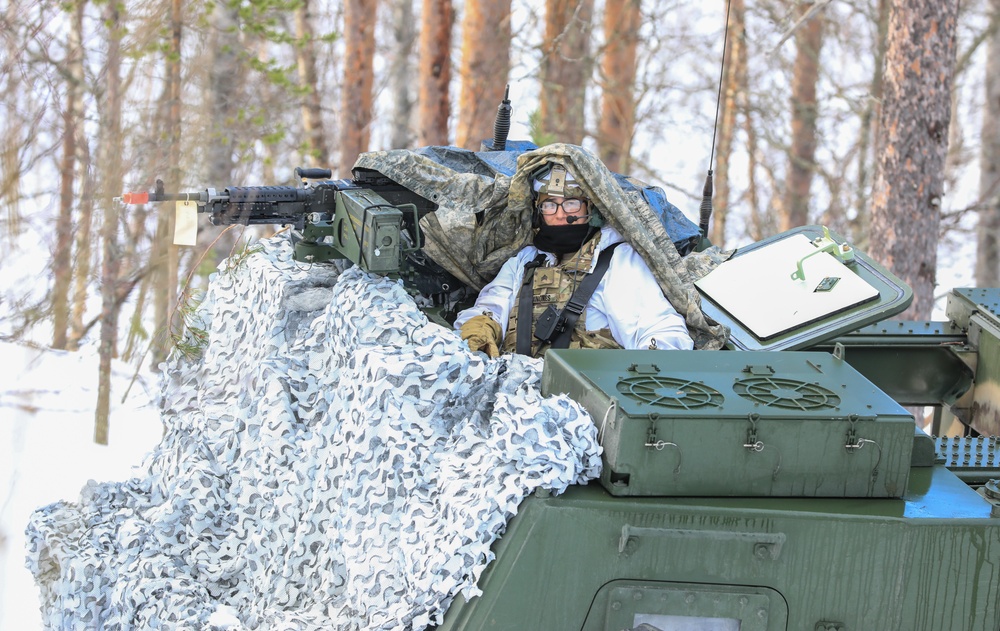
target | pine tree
[
  {"x": 434, "y": 103},
  {"x": 988, "y": 230},
  {"x": 566, "y": 69},
  {"x": 485, "y": 66},
  {"x": 359, "y": 76},
  {"x": 916, "y": 110},
  {"x": 618, "y": 68}
]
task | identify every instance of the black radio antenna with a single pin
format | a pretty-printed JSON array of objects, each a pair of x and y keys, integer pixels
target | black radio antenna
[
  {"x": 706, "y": 193},
  {"x": 501, "y": 124}
]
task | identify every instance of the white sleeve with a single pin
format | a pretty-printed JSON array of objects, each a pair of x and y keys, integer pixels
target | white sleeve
[
  {"x": 634, "y": 308},
  {"x": 498, "y": 297}
]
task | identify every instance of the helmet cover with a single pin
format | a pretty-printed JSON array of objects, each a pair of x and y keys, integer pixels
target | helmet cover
[{"x": 557, "y": 181}]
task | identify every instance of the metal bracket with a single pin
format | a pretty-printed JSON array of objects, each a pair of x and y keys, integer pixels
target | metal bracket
[
  {"x": 842, "y": 251},
  {"x": 766, "y": 545},
  {"x": 755, "y": 445},
  {"x": 751, "y": 442},
  {"x": 839, "y": 351},
  {"x": 854, "y": 443},
  {"x": 644, "y": 369}
]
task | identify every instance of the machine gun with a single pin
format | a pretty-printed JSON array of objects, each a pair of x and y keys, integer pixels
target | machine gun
[{"x": 369, "y": 220}]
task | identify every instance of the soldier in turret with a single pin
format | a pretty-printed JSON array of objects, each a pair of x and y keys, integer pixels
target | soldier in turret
[{"x": 578, "y": 285}]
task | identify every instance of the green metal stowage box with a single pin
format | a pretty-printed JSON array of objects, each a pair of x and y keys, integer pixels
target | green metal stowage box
[{"x": 737, "y": 423}]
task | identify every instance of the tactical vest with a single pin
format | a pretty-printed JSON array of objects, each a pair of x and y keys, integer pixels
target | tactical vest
[{"x": 554, "y": 285}]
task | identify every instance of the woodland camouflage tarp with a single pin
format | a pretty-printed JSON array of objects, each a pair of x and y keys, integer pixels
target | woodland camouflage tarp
[{"x": 484, "y": 216}]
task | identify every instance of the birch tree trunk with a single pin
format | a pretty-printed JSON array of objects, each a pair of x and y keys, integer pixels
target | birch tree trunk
[
  {"x": 62, "y": 267},
  {"x": 759, "y": 225},
  {"x": 167, "y": 263},
  {"x": 84, "y": 230},
  {"x": 226, "y": 90},
  {"x": 111, "y": 181},
  {"x": 869, "y": 136},
  {"x": 401, "y": 79},
  {"x": 359, "y": 54},
  {"x": 618, "y": 68},
  {"x": 434, "y": 103},
  {"x": 12, "y": 133},
  {"x": 913, "y": 137},
  {"x": 988, "y": 230},
  {"x": 805, "y": 111},
  {"x": 485, "y": 66},
  {"x": 312, "y": 111},
  {"x": 225, "y": 83},
  {"x": 566, "y": 69}
]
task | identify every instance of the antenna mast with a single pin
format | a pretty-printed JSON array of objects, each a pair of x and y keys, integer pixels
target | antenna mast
[{"x": 706, "y": 193}]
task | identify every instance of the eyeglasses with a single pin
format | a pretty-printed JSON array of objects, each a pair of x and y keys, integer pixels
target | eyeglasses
[{"x": 570, "y": 206}]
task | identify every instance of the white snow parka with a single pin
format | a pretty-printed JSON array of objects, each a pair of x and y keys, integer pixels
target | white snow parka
[{"x": 628, "y": 300}]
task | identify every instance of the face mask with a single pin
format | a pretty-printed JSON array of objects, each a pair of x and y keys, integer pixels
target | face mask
[{"x": 562, "y": 239}]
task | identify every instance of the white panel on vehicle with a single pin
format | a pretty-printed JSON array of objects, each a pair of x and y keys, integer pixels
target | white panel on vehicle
[
  {"x": 758, "y": 290},
  {"x": 687, "y": 623}
]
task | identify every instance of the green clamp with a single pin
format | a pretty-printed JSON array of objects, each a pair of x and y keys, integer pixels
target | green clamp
[
  {"x": 312, "y": 249},
  {"x": 843, "y": 252}
]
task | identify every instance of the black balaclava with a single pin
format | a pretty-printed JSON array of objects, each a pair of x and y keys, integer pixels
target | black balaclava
[{"x": 563, "y": 239}]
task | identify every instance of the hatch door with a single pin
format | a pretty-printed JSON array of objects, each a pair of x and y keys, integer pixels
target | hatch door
[{"x": 798, "y": 289}]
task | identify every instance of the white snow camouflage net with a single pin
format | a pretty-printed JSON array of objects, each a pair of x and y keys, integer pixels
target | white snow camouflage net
[{"x": 334, "y": 461}]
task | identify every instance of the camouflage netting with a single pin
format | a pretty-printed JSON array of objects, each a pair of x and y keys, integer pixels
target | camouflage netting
[
  {"x": 332, "y": 461},
  {"x": 474, "y": 253}
]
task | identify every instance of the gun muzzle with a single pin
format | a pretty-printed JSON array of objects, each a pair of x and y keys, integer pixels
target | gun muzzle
[{"x": 135, "y": 198}]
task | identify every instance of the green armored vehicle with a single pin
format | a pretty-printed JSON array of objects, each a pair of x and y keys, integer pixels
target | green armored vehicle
[
  {"x": 773, "y": 481},
  {"x": 771, "y": 490}
]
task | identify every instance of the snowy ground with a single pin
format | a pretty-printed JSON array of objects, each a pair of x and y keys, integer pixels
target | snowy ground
[{"x": 47, "y": 452}]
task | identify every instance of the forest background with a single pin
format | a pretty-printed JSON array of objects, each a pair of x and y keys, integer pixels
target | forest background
[{"x": 877, "y": 118}]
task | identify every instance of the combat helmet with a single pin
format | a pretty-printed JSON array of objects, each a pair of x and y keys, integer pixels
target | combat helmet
[{"x": 556, "y": 180}]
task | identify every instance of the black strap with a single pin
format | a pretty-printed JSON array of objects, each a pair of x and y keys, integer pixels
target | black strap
[
  {"x": 524, "y": 303},
  {"x": 570, "y": 313},
  {"x": 578, "y": 301}
]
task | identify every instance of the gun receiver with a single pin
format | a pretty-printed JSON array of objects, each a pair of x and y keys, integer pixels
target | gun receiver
[{"x": 369, "y": 220}]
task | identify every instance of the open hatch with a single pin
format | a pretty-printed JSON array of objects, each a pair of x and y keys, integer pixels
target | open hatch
[{"x": 798, "y": 289}]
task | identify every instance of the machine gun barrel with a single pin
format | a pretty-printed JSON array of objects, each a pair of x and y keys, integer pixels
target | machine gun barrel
[
  {"x": 249, "y": 205},
  {"x": 144, "y": 198}
]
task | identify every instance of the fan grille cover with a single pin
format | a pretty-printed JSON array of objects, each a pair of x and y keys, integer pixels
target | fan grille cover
[
  {"x": 788, "y": 394},
  {"x": 670, "y": 392}
]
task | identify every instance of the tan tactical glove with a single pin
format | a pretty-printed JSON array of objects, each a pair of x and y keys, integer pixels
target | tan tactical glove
[{"x": 481, "y": 333}]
